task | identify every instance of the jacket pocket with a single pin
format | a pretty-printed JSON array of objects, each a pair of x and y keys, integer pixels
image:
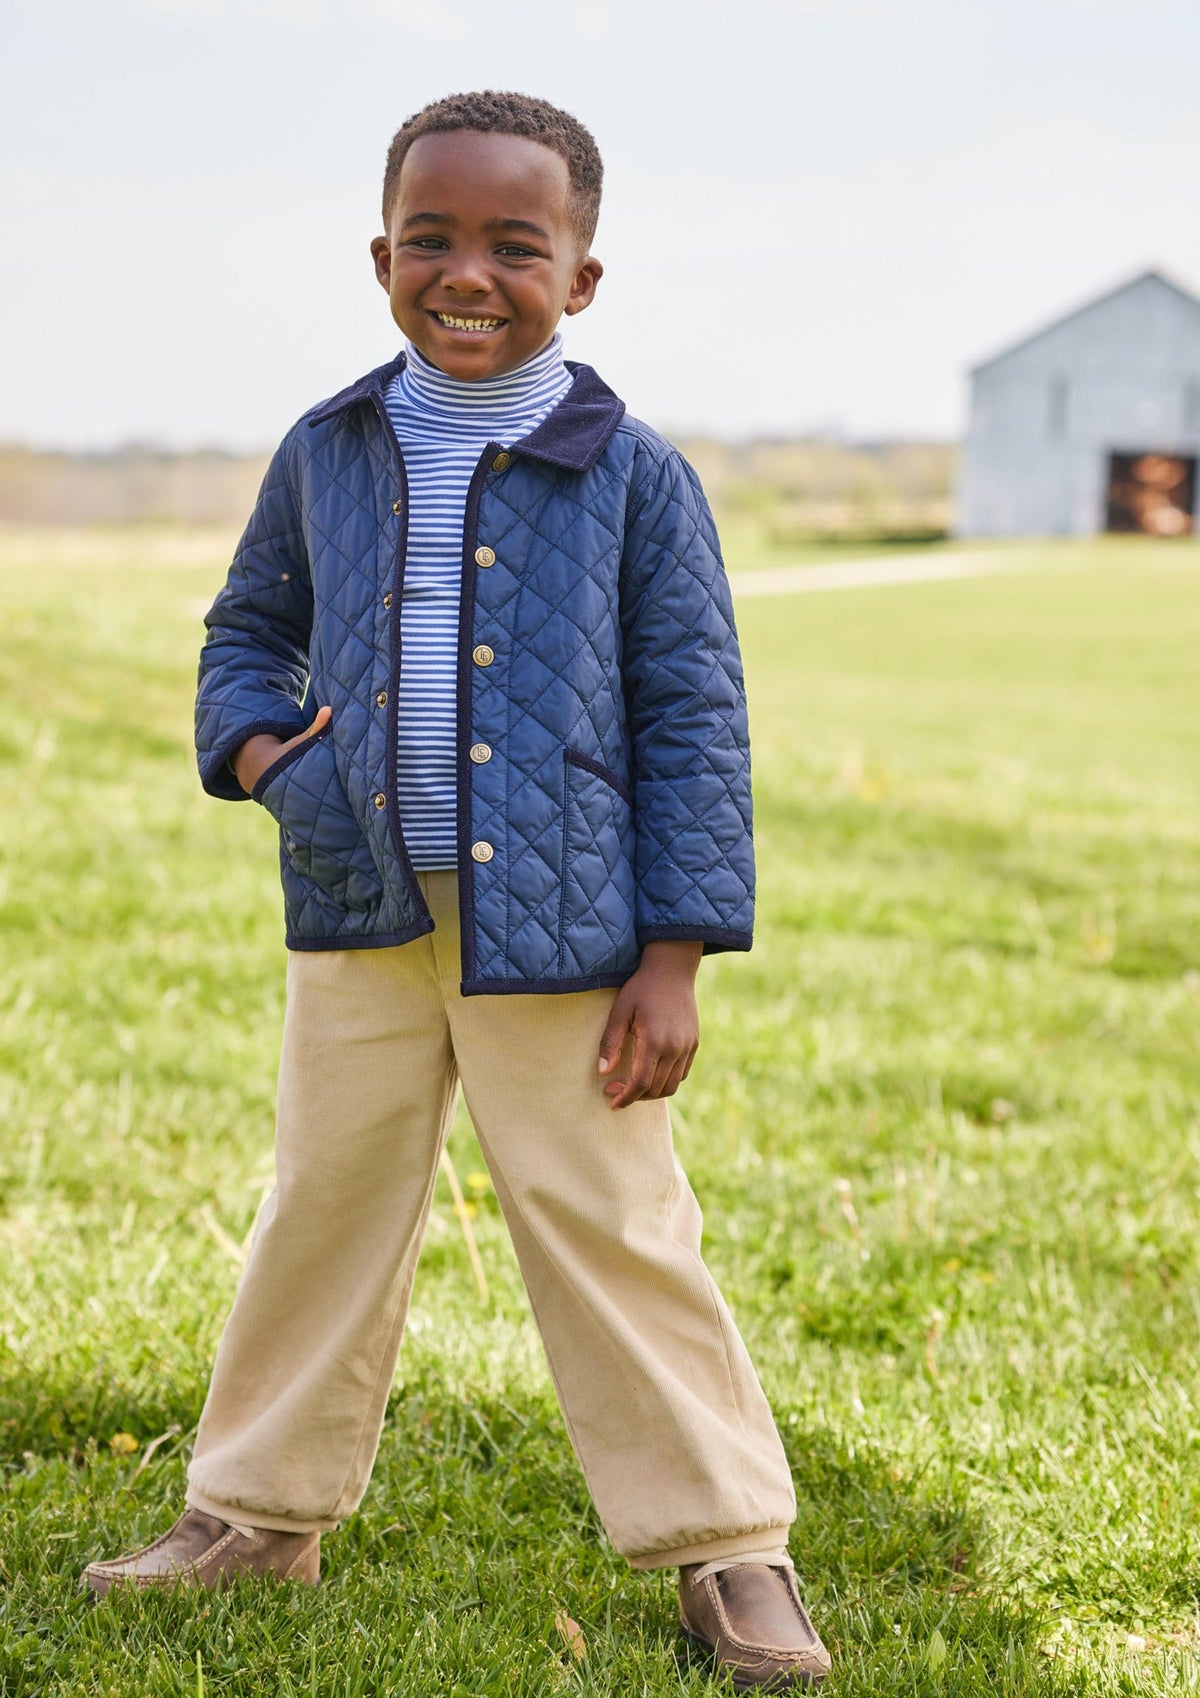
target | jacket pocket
[
  {"x": 321, "y": 842},
  {"x": 597, "y": 932},
  {"x": 585, "y": 763}
]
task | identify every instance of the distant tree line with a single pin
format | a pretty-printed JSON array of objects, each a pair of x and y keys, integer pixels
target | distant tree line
[
  {"x": 127, "y": 486},
  {"x": 787, "y": 491}
]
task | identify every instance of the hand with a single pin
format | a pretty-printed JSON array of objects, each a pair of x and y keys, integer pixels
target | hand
[
  {"x": 656, "y": 1009},
  {"x": 257, "y": 753}
]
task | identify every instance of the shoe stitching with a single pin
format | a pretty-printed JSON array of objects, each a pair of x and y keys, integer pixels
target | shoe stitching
[
  {"x": 727, "y": 1631},
  {"x": 148, "y": 1581},
  {"x": 795, "y": 1600},
  {"x": 214, "y": 1551},
  {"x": 287, "y": 1573},
  {"x": 113, "y": 1565},
  {"x": 806, "y": 1673},
  {"x": 112, "y": 1569}
]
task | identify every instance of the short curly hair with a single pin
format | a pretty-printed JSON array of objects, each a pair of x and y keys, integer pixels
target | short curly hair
[{"x": 498, "y": 112}]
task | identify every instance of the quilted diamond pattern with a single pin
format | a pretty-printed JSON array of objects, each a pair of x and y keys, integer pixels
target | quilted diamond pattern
[
  {"x": 331, "y": 881},
  {"x": 617, "y": 798}
]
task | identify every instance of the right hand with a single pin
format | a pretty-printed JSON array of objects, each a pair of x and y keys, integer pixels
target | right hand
[{"x": 258, "y": 753}]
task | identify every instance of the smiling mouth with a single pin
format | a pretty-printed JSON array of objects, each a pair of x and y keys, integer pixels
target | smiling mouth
[{"x": 477, "y": 326}]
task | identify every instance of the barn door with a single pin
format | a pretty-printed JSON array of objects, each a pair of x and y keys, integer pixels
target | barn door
[{"x": 1152, "y": 493}]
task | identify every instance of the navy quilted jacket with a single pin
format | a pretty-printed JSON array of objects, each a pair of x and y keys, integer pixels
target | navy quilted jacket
[{"x": 603, "y": 770}]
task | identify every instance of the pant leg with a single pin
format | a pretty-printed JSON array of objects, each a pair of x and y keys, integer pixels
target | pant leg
[
  {"x": 300, "y": 1385},
  {"x": 661, "y": 1400}
]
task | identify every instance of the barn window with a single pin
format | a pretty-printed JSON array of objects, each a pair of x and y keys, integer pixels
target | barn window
[{"x": 1060, "y": 396}]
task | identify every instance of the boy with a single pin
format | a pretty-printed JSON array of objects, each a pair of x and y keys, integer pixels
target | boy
[{"x": 476, "y": 656}]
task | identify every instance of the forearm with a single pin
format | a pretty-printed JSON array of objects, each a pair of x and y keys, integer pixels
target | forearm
[
  {"x": 682, "y": 673},
  {"x": 254, "y": 669},
  {"x": 672, "y": 957}
]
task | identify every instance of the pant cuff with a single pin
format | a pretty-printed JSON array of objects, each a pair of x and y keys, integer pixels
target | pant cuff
[
  {"x": 254, "y": 1517},
  {"x": 763, "y": 1538}
]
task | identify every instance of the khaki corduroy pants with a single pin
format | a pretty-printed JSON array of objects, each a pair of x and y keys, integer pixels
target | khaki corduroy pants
[{"x": 662, "y": 1404}]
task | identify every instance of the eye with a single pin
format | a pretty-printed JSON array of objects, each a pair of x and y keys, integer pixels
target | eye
[
  {"x": 430, "y": 243},
  {"x": 514, "y": 250}
]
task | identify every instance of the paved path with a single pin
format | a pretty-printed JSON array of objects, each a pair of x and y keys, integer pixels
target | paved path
[
  {"x": 867, "y": 573},
  {"x": 871, "y": 572}
]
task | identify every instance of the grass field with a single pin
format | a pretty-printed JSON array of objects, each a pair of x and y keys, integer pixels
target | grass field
[{"x": 945, "y": 1125}]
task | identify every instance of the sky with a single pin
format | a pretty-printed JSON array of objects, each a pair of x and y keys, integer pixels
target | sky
[{"x": 818, "y": 213}]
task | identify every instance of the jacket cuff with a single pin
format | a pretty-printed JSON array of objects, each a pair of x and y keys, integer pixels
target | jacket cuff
[
  {"x": 716, "y": 939},
  {"x": 217, "y": 775}
]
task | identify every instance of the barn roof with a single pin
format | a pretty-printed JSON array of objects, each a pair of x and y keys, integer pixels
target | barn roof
[{"x": 1138, "y": 282}]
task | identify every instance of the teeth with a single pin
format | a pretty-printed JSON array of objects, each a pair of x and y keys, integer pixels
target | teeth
[{"x": 453, "y": 323}]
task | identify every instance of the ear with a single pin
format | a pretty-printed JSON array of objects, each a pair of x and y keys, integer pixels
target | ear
[
  {"x": 583, "y": 287},
  {"x": 381, "y": 253}
]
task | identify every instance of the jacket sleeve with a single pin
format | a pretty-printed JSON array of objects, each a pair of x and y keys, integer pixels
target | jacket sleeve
[
  {"x": 254, "y": 663},
  {"x": 686, "y": 704}
]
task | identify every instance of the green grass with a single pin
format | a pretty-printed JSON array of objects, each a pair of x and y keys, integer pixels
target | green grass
[
  {"x": 945, "y": 1124},
  {"x": 750, "y": 545}
]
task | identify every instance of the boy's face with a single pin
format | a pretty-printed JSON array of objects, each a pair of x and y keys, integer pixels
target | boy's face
[{"x": 481, "y": 259}]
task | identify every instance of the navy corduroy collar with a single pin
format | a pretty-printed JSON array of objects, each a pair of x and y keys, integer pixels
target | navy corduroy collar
[{"x": 574, "y": 434}]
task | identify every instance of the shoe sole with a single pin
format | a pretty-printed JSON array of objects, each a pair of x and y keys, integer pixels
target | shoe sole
[{"x": 796, "y": 1681}]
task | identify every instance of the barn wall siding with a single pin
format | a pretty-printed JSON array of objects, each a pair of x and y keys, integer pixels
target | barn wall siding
[{"x": 1122, "y": 374}]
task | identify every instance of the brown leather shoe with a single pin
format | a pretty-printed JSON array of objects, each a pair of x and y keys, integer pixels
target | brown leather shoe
[
  {"x": 751, "y": 1621},
  {"x": 202, "y": 1551}
]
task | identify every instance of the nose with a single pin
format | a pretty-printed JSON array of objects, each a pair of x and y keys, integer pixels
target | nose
[{"x": 465, "y": 273}]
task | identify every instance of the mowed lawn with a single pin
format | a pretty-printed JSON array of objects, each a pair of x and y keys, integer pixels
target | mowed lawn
[{"x": 945, "y": 1125}]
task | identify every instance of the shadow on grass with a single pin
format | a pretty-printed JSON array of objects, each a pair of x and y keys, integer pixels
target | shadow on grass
[
  {"x": 477, "y": 1532},
  {"x": 897, "y": 1570}
]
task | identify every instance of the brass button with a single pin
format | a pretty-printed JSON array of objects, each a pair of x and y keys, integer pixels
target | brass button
[
  {"x": 480, "y": 753},
  {"x": 387, "y": 600},
  {"x": 381, "y": 699},
  {"x": 380, "y": 799},
  {"x": 482, "y": 655},
  {"x": 485, "y": 556},
  {"x": 502, "y": 462},
  {"x": 482, "y": 851},
  {"x": 397, "y": 508}
]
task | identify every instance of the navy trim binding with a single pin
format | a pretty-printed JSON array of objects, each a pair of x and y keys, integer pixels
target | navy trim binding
[
  {"x": 395, "y": 827},
  {"x": 714, "y": 938},
  {"x": 466, "y": 683},
  {"x": 585, "y": 763},
  {"x": 218, "y": 763},
  {"x": 574, "y": 434}
]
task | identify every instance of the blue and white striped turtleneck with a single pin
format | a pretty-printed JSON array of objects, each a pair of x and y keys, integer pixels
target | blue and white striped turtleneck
[{"x": 443, "y": 425}]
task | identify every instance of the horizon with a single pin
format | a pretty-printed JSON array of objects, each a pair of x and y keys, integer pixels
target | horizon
[{"x": 133, "y": 445}]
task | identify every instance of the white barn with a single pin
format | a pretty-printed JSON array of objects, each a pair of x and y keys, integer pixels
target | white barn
[{"x": 1091, "y": 424}]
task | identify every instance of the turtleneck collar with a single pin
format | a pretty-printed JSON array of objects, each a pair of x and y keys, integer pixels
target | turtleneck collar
[{"x": 431, "y": 388}]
